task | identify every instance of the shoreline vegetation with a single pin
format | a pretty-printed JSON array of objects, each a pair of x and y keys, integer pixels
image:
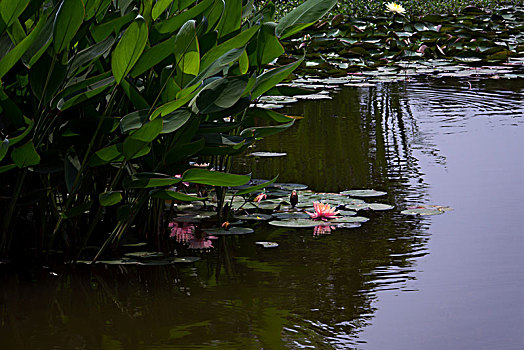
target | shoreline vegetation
[{"x": 119, "y": 116}]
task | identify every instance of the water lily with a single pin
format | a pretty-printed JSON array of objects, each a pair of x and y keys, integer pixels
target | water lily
[
  {"x": 395, "y": 8},
  {"x": 323, "y": 212},
  {"x": 322, "y": 230},
  {"x": 260, "y": 197}
]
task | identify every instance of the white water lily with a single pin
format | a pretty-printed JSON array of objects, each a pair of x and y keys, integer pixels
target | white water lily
[{"x": 395, "y": 8}]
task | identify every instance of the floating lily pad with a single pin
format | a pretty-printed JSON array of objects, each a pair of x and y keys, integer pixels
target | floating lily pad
[
  {"x": 295, "y": 223},
  {"x": 232, "y": 231},
  {"x": 268, "y": 205},
  {"x": 380, "y": 206},
  {"x": 291, "y": 215},
  {"x": 347, "y": 212},
  {"x": 145, "y": 255},
  {"x": 187, "y": 259},
  {"x": 364, "y": 193},
  {"x": 267, "y": 244},
  {"x": 426, "y": 210},
  {"x": 349, "y": 219},
  {"x": 114, "y": 262},
  {"x": 291, "y": 187},
  {"x": 268, "y": 154},
  {"x": 254, "y": 216},
  {"x": 134, "y": 245}
]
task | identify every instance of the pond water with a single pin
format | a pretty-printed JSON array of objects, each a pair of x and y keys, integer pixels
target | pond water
[{"x": 452, "y": 281}]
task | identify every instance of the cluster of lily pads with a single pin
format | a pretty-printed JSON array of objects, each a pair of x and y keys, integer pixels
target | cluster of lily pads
[{"x": 348, "y": 44}]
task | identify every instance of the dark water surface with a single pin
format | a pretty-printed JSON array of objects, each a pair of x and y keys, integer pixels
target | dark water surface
[{"x": 453, "y": 281}]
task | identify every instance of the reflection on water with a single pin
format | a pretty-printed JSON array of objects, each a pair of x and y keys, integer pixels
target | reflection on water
[{"x": 312, "y": 291}]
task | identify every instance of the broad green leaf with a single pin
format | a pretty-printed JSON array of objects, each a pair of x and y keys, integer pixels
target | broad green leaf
[
  {"x": 25, "y": 155},
  {"x": 174, "y": 105},
  {"x": 68, "y": 20},
  {"x": 46, "y": 78},
  {"x": 183, "y": 151},
  {"x": 14, "y": 140},
  {"x": 135, "y": 97},
  {"x": 11, "y": 9},
  {"x": 218, "y": 65},
  {"x": 82, "y": 86},
  {"x": 149, "y": 180},
  {"x": 234, "y": 43},
  {"x": 89, "y": 54},
  {"x": 113, "y": 26},
  {"x": 149, "y": 131},
  {"x": 153, "y": 56},
  {"x": 268, "y": 45},
  {"x": 4, "y": 146},
  {"x": 129, "y": 48},
  {"x": 267, "y": 114},
  {"x": 85, "y": 93},
  {"x": 91, "y": 8},
  {"x": 173, "y": 195},
  {"x": 115, "y": 153},
  {"x": 213, "y": 14},
  {"x": 230, "y": 21},
  {"x": 214, "y": 178},
  {"x": 159, "y": 7},
  {"x": 133, "y": 121},
  {"x": 306, "y": 14},
  {"x": 175, "y": 120},
  {"x": 252, "y": 189},
  {"x": 187, "y": 54},
  {"x": 272, "y": 77},
  {"x": 109, "y": 198},
  {"x": 219, "y": 95},
  {"x": 5, "y": 168},
  {"x": 133, "y": 148},
  {"x": 243, "y": 63},
  {"x": 13, "y": 56},
  {"x": 172, "y": 24},
  {"x": 264, "y": 131},
  {"x": 40, "y": 45}
]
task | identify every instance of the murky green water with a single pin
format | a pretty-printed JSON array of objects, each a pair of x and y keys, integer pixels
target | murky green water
[{"x": 452, "y": 281}]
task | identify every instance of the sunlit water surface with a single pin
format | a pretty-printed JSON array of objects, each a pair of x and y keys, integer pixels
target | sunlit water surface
[{"x": 453, "y": 281}]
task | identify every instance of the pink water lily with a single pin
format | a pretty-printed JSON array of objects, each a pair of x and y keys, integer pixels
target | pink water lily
[
  {"x": 323, "y": 212},
  {"x": 182, "y": 233},
  {"x": 260, "y": 197}
]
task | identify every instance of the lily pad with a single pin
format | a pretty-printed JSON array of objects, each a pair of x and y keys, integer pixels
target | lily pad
[
  {"x": 291, "y": 187},
  {"x": 268, "y": 154},
  {"x": 145, "y": 255},
  {"x": 364, "y": 193},
  {"x": 267, "y": 244},
  {"x": 426, "y": 210},
  {"x": 297, "y": 223},
  {"x": 291, "y": 215},
  {"x": 134, "y": 245},
  {"x": 380, "y": 206},
  {"x": 347, "y": 212},
  {"x": 350, "y": 219},
  {"x": 186, "y": 259},
  {"x": 232, "y": 231},
  {"x": 254, "y": 216}
]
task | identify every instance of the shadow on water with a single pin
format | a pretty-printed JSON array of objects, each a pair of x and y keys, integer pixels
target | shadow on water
[{"x": 310, "y": 292}]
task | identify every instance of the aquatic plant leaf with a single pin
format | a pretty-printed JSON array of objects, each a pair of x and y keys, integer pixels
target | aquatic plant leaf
[
  {"x": 25, "y": 155},
  {"x": 113, "y": 26},
  {"x": 291, "y": 187},
  {"x": 267, "y": 154},
  {"x": 172, "y": 24},
  {"x": 263, "y": 131},
  {"x": 148, "y": 180},
  {"x": 187, "y": 53},
  {"x": 267, "y": 244},
  {"x": 268, "y": 45},
  {"x": 379, "y": 206},
  {"x": 68, "y": 20},
  {"x": 295, "y": 223},
  {"x": 153, "y": 56},
  {"x": 173, "y": 195},
  {"x": 230, "y": 20},
  {"x": 235, "y": 230},
  {"x": 133, "y": 121},
  {"x": 159, "y": 7},
  {"x": 78, "y": 210},
  {"x": 254, "y": 217},
  {"x": 134, "y": 245},
  {"x": 291, "y": 215},
  {"x": 174, "y": 121},
  {"x": 350, "y": 219},
  {"x": 214, "y": 178},
  {"x": 129, "y": 48},
  {"x": 145, "y": 255},
  {"x": 303, "y": 16},
  {"x": 89, "y": 54},
  {"x": 272, "y": 77},
  {"x": 364, "y": 193},
  {"x": 422, "y": 211},
  {"x": 10, "y": 10},
  {"x": 109, "y": 198},
  {"x": 219, "y": 95},
  {"x": 186, "y": 259},
  {"x": 252, "y": 189}
]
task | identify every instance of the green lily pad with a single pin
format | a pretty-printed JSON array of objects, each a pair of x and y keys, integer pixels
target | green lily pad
[
  {"x": 268, "y": 154},
  {"x": 296, "y": 223},
  {"x": 364, "y": 193},
  {"x": 268, "y": 205},
  {"x": 380, "y": 206},
  {"x": 186, "y": 259},
  {"x": 254, "y": 216},
  {"x": 350, "y": 219},
  {"x": 145, "y": 255},
  {"x": 115, "y": 262},
  {"x": 267, "y": 244},
  {"x": 232, "y": 231},
  {"x": 134, "y": 245},
  {"x": 426, "y": 210},
  {"x": 347, "y": 212},
  {"x": 292, "y": 187},
  {"x": 291, "y": 215}
]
